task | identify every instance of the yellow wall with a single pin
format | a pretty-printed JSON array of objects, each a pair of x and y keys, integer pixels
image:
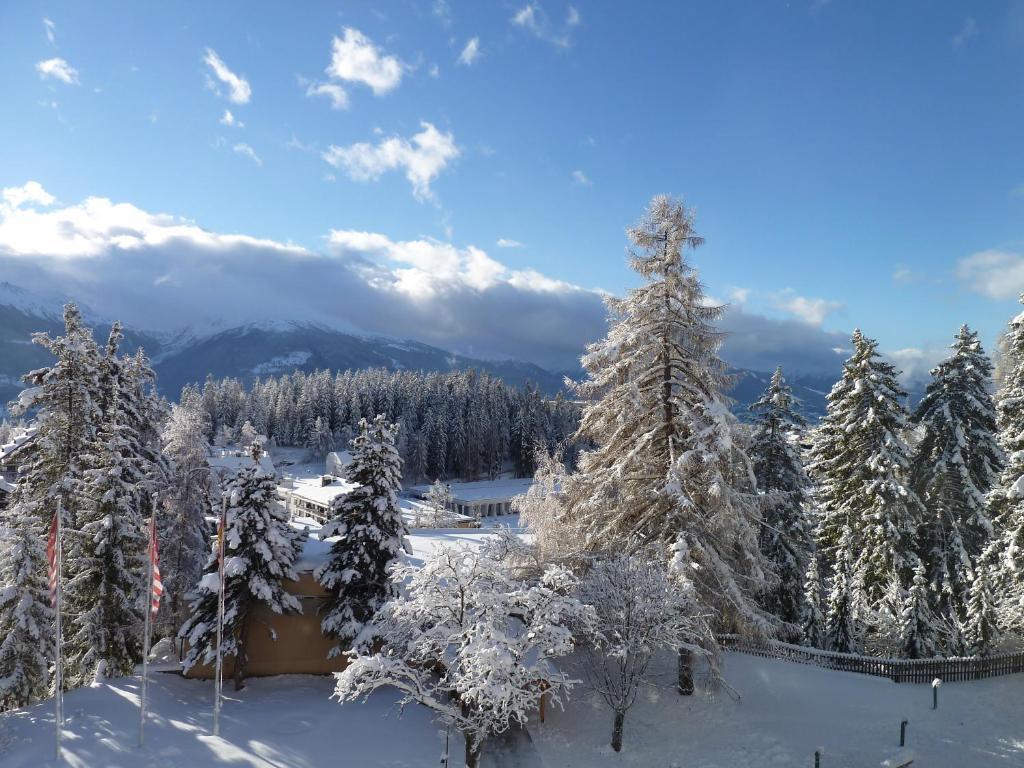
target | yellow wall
[{"x": 300, "y": 648}]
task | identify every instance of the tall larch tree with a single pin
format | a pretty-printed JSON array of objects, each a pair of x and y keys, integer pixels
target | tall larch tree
[
  {"x": 369, "y": 527},
  {"x": 1005, "y": 555},
  {"x": 260, "y": 551},
  {"x": 665, "y": 469},
  {"x": 184, "y": 538},
  {"x": 954, "y": 466},
  {"x": 861, "y": 464},
  {"x": 786, "y": 538}
]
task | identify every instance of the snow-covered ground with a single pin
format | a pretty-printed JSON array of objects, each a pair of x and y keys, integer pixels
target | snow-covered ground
[{"x": 785, "y": 712}]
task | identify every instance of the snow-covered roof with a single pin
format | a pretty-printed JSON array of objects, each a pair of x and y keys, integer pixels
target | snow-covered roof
[
  {"x": 19, "y": 440},
  {"x": 483, "y": 490},
  {"x": 313, "y": 489},
  {"x": 7, "y": 487},
  {"x": 229, "y": 460},
  {"x": 425, "y": 541}
]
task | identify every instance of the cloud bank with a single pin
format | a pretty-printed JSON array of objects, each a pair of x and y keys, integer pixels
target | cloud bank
[{"x": 159, "y": 272}]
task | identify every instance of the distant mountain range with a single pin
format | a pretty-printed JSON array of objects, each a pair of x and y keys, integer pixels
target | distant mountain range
[{"x": 255, "y": 351}]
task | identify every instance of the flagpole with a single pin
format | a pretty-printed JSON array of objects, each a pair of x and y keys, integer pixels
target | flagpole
[
  {"x": 59, "y": 667},
  {"x": 147, "y": 624},
  {"x": 218, "y": 682}
]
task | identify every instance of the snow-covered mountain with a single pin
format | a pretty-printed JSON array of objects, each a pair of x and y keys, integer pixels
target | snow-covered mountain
[{"x": 273, "y": 348}]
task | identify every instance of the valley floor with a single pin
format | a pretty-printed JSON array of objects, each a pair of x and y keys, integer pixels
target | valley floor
[{"x": 784, "y": 713}]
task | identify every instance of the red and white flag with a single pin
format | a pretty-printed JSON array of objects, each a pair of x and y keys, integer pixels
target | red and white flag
[
  {"x": 154, "y": 558},
  {"x": 51, "y": 556}
]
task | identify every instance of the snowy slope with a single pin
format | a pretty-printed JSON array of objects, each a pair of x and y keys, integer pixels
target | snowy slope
[{"x": 785, "y": 712}]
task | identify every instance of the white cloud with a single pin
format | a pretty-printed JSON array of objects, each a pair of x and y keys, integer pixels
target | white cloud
[
  {"x": 580, "y": 178},
  {"x": 533, "y": 19},
  {"x": 333, "y": 91},
  {"x": 245, "y": 150},
  {"x": 434, "y": 71},
  {"x": 739, "y": 295},
  {"x": 51, "y": 31},
  {"x": 239, "y": 91},
  {"x": 471, "y": 52},
  {"x": 30, "y": 193},
  {"x": 812, "y": 311},
  {"x": 443, "y": 11},
  {"x": 998, "y": 274},
  {"x": 968, "y": 30},
  {"x": 230, "y": 120},
  {"x": 422, "y": 158},
  {"x": 504, "y": 242},
  {"x": 356, "y": 59},
  {"x": 57, "y": 69}
]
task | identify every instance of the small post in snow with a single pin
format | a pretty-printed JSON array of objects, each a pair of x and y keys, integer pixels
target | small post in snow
[
  {"x": 935, "y": 692},
  {"x": 903, "y": 733},
  {"x": 817, "y": 758}
]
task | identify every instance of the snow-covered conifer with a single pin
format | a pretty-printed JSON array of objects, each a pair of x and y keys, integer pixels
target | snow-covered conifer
[
  {"x": 260, "y": 551},
  {"x": 320, "y": 441},
  {"x": 813, "y": 608},
  {"x": 1005, "y": 555},
  {"x": 640, "y": 611},
  {"x": 919, "y": 636},
  {"x": 26, "y": 619},
  {"x": 369, "y": 527},
  {"x": 779, "y": 470},
  {"x": 665, "y": 468},
  {"x": 981, "y": 630},
  {"x": 861, "y": 464},
  {"x": 469, "y": 642},
  {"x": 843, "y": 630},
  {"x": 953, "y": 468},
  {"x": 106, "y": 589}
]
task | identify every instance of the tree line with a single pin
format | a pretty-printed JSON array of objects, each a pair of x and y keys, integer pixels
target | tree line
[{"x": 463, "y": 424}]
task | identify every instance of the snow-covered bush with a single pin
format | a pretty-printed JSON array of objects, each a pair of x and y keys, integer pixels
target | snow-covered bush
[{"x": 470, "y": 642}]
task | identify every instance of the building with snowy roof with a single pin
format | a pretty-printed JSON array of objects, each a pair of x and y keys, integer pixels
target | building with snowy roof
[{"x": 483, "y": 498}]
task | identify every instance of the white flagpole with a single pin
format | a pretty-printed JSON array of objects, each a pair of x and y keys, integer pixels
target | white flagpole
[
  {"x": 147, "y": 625},
  {"x": 218, "y": 682},
  {"x": 59, "y": 668}
]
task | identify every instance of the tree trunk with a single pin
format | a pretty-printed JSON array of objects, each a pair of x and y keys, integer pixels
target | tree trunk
[
  {"x": 474, "y": 748},
  {"x": 241, "y": 657},
  {"x": 685, "y": 673},
  {"x": 620, "y": 719}
]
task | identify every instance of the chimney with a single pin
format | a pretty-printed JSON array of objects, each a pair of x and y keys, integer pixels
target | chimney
[{"x": 325, "y": 480}]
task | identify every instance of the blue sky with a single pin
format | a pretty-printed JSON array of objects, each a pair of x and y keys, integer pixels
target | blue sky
[{"x": 850, "y": 163}]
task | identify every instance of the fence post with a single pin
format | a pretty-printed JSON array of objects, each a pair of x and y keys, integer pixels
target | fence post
[
  {"x": 817, "y": 758},
  {"x": 935, "y": 692},
  {"x": 903, "y": 733}
]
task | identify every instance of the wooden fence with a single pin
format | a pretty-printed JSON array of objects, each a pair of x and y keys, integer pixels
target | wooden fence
[{"x": 898, "y": 670}]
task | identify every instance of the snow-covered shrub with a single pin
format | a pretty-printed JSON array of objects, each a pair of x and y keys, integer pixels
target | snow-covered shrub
[{"x": 470, "y": 642}]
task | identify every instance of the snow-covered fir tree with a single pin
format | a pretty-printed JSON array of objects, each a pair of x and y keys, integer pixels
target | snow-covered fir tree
[
  {"x": 954, "y": 466},
  {"x": 26, "y": 619},
  {"x": 861, "y": 464},
  {"x": 369, "y": 527},
  {"x": 920, "y": 634},
  {"x": 778, "y": 467},
  {"x": 843, "y": 629},
  {"x": 666, "y": 468},
  {"x": 260, "y": 550},
  {"x": 812, "y": 620},
  {"x": 320, "y": 441},
  {"x": 1005, "y": 555},
  {"x": 981, "y": 630},
  {"x": 185, "y": 504},
  {"x": 106, "y": 589},
  {"x": 470, "y": 642}
]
